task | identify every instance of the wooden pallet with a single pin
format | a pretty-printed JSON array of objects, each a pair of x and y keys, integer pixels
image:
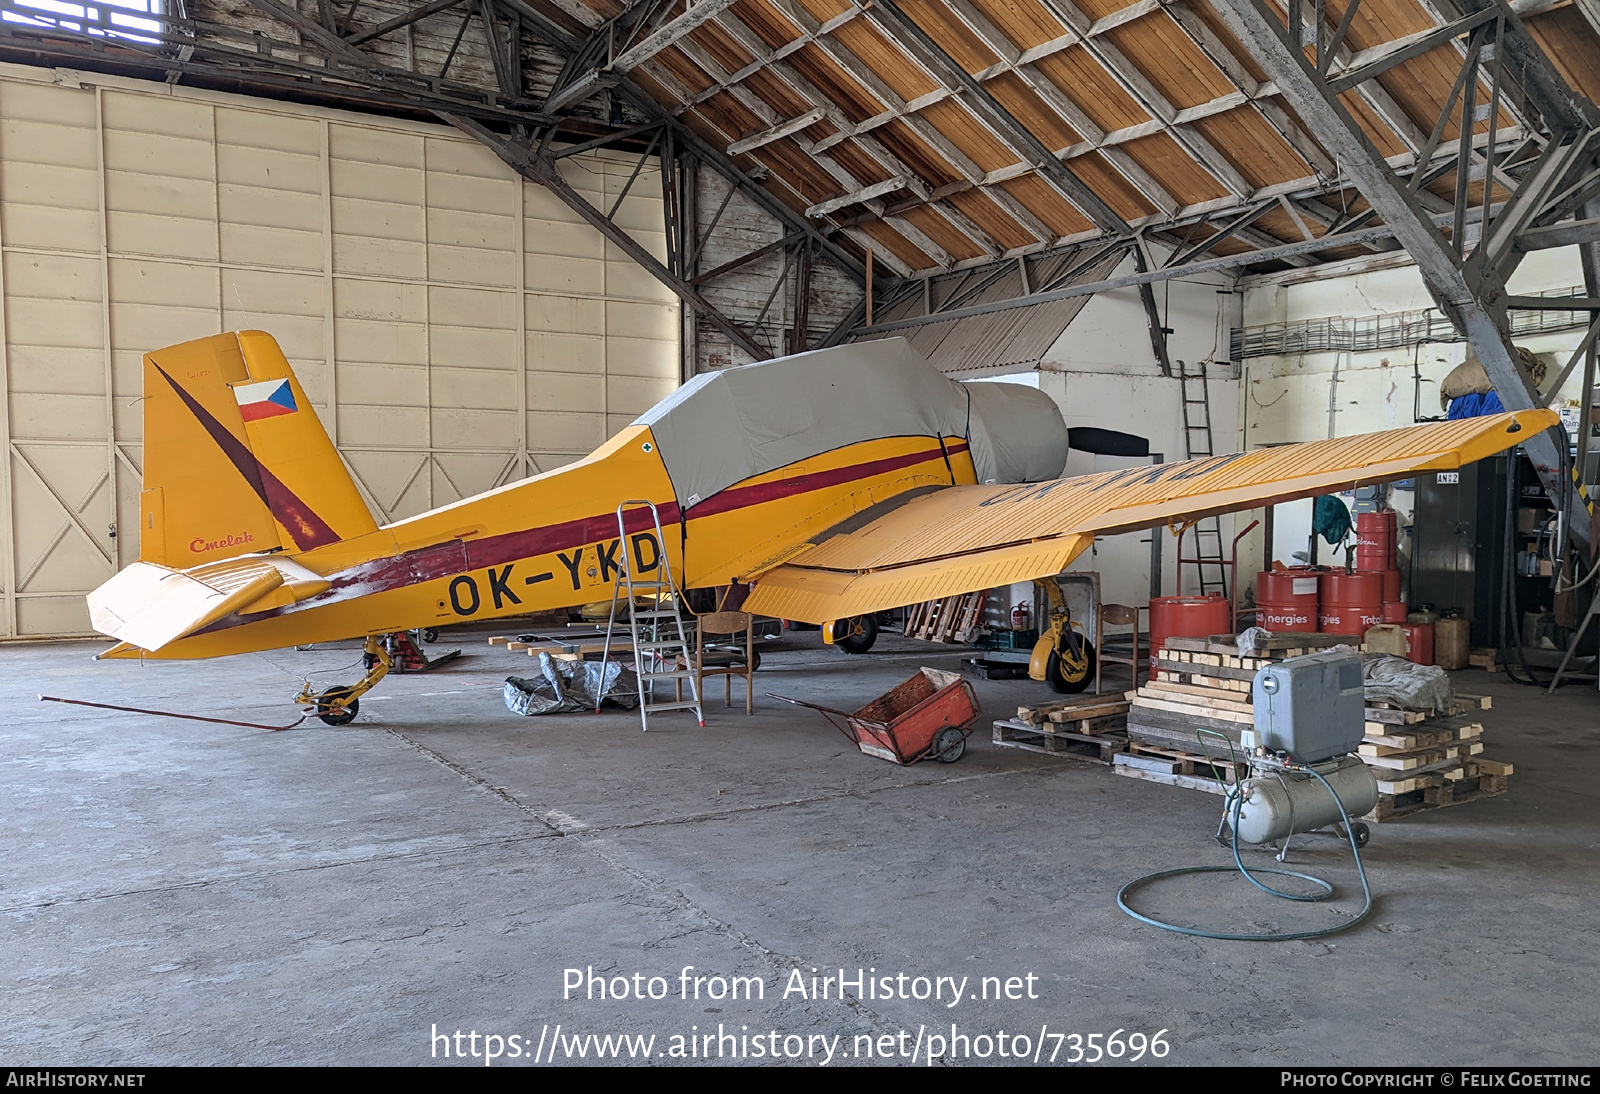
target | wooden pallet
[
  {"x": 1449, "y": 792},
  {"x": 948, "y": 619},
  {"x": 1195, "y": 763},
  {"x": 1054, "y": 740}
]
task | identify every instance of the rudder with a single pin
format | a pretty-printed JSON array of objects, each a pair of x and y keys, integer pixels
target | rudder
[{"x": 235, "y": 460}]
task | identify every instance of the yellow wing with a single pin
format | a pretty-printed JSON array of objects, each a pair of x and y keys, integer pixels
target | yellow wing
[{"x": 966, "y": 538}]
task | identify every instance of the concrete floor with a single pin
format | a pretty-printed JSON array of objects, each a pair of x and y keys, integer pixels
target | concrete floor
[{"x": 183, "y": 893}]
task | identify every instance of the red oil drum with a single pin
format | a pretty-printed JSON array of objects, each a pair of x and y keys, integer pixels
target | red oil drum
[
  {"x": 1419, "y": 642},
  {"x": 1351, "y": 602},
  {"x": 1375, "y": 540},
  {"x": 1391, "y": 584},
  {"x": 1286, "y": 600},
  {"x": 1187, "y": 617},
  {"x": 1394, "y": 611}
]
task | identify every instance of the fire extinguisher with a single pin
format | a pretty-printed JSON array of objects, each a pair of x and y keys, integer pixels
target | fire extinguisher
[{"x": 1019, "y": 617}]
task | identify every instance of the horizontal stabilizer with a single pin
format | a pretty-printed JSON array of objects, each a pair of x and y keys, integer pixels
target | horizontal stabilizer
[{"x": 148, "y": 606}]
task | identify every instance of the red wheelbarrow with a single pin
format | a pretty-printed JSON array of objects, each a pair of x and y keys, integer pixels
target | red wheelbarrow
[{"x": 929, "y": 716}]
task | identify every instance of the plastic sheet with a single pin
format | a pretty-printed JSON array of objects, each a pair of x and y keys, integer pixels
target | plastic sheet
[{"x": 567, "y": 687}]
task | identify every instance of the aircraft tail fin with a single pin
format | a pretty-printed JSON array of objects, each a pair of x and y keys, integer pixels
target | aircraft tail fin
[{"x": 235, "y": 460}]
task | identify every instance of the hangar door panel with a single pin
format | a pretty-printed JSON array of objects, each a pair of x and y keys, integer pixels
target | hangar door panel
[{"x": 454, "y": 327}]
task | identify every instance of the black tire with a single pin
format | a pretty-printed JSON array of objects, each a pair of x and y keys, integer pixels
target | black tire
[
  {"x": 429, "y": 634},
  {"x": 755, "y": 660},
  {"x": 1361, "y": 832},
  {"x": 949, "y": 745},
  {"x": 326, "y": 711},
  {"x": 1064, "y": 684},
  {"x": 859, "y": 633}
]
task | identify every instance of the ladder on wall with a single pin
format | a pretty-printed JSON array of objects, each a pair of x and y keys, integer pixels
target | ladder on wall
[
  {"x": 660, "y": 647},
  {"x": 1197, "y": 444}
]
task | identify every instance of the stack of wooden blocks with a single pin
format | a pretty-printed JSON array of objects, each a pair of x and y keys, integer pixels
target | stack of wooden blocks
[
  {"x": 1427, "y": 761},
  {"x": 1091, "y": 728},
  {"x": 1422, "y": 761},
  {"x": 1201, "y": 684}
]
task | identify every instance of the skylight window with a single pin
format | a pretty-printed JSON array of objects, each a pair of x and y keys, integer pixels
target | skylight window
[{"x": 103, "y": 19}]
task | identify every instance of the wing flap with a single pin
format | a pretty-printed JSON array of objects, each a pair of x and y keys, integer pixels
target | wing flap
[{"x": 817, "y": 596}]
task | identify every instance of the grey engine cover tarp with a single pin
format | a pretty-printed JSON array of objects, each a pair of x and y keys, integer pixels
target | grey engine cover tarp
[{"x": 723, "y": 427}]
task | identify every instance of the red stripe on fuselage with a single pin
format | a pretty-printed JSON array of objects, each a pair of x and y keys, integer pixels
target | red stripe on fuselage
[{"x": 458, "y": 556}]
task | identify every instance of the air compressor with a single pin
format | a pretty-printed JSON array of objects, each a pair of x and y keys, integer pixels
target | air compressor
[
  {"x": 1310, "y": 716},
  {"x": 1309, "y": 721}
]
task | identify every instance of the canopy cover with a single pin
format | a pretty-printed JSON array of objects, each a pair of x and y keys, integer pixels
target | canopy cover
[{"x": 723, "y": 427}]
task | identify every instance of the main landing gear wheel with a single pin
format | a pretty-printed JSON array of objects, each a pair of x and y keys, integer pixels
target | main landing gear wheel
[
  {"x": 429, "y": 634},
  {"x": 949, "y": 746},
  {"x": 1069, "y": 679},
  {"x": 856, "y": 634},
  {"x": 333, "y": 715}
]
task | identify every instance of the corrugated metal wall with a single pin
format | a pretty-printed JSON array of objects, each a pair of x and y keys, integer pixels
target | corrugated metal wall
[{"x": 455, "y": 327}]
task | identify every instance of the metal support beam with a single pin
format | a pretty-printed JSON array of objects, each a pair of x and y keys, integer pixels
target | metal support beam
[
  {"x": 1152, "y": 317},
  {"x": 542, "y": 168},
  {"x": 1463, "y": 294},
  {"x": 1212, "y": 265},
  {"x": 696, "y": 15}
]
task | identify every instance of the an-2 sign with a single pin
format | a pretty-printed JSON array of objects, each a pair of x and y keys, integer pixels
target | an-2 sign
[{"x": 467, "y": 592}]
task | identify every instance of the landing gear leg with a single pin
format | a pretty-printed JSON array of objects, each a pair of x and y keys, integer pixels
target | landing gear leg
[{"x": 338, "y": 706}]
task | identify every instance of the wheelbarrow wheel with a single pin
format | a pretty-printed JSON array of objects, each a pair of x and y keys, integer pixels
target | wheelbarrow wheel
[
  {"x": 1067, "y": 679},
  {"x": 949, "y": 745}
]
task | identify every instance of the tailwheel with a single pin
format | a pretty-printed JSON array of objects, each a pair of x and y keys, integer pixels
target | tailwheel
[
  {"x": 338, "y": 713},
  {"x": 338, "y": 706}
]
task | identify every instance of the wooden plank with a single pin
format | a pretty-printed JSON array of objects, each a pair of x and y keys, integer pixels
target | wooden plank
[
  {"x": 1187, "y": 782},
  {"x": 1183, "y": 723},
  {"x": 1147, "y": 763},
  {"x": 1401, "y": 742},
  {"x": 1191, "y": 668},
  {"x": 1407, "y": 761},
  {"x": 1493, "y": 767},
  {"x": 1227, "y": 702},
  {"x": 1202, "y": 711},
  {"x": 1390, "y": 716}
]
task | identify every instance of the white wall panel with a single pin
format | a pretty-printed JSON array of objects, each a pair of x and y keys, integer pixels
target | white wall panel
[{"x": 455, "y": 327}]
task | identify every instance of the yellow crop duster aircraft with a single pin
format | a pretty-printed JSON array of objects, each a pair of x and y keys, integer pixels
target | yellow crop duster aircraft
[{"x": 839, "y": 482}]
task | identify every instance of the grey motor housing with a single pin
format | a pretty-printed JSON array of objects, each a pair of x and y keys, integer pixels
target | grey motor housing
[{"x": 1312, "y": 707}]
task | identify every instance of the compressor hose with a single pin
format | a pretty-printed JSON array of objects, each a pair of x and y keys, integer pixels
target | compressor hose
[{"x": 1324, "y": 892}]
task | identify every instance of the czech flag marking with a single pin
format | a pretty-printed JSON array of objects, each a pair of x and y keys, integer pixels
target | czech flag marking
[{"x": 268, "y": 399}]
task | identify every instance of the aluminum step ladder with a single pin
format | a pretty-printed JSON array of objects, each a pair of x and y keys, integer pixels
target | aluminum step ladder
[
  {"x": 1198, "y": 443},
  {"x": 659, "y": 642}
]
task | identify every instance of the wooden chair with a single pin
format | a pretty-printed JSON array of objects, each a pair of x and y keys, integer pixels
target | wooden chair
[
  {"x": 1116, "y": 615},
  {"x": 726, "y": 663}
]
